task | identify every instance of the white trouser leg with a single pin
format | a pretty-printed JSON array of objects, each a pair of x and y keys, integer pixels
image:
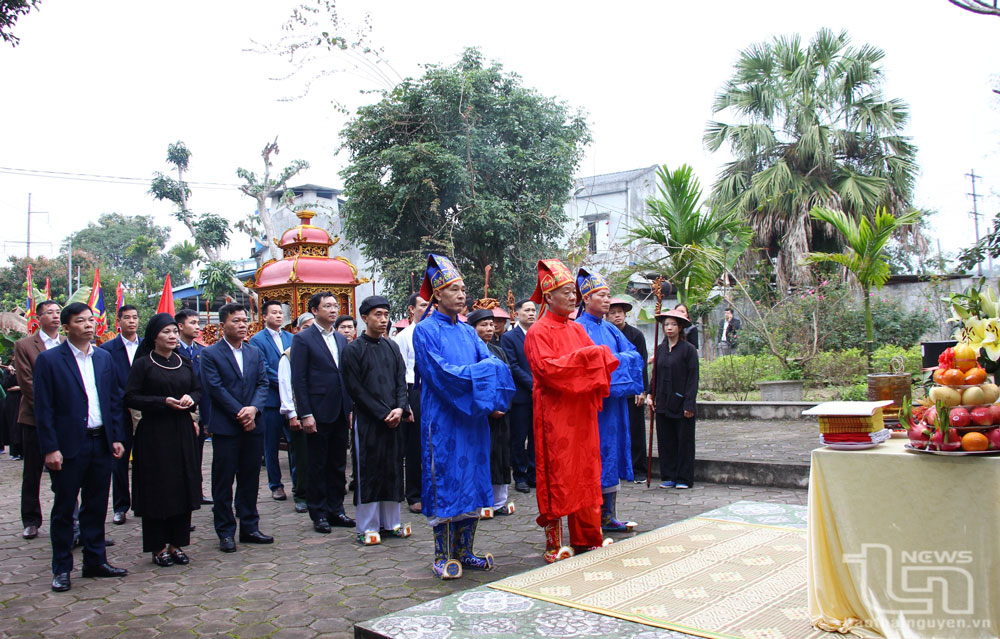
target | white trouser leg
[
  {"x": 499, "y": 496},
  {"x": 609, "y": 489},
  {"x": 388, "y": 514},
  {"x": 366, "y": 516}
]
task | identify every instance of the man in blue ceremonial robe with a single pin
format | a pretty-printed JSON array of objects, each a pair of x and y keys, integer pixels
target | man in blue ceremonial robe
[
  {"x": 463, "y": 385},
  {"x": 626, "y": 381}
]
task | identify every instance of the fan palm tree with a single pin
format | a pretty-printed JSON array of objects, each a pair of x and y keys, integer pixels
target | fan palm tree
[
  {"x": 815, "y": 130},
  {"x": 697, "y": 244},
  {"x": 864, "y": 254}
]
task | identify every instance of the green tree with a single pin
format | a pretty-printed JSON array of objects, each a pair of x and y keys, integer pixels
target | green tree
[
  {"x": 464, "y": 160},
  {"x": 697, "y": 244},
  {"x": 814, "y": 129},
  {"x": 217, "y": 280},
  {"x": 864, "y": 254},
  {"x": 260, "y": 188},
  {"x": 10, "y": 11}
]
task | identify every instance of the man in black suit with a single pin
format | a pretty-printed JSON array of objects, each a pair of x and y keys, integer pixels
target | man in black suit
[
  {"x": 729, "y": 331},
  {"x": 78, "y": 432},
  {"x": 233, "y": 373},
  {"x": 323, "y": 407},
  {"x": 188, "y": 327},
  {"x": 122, "y": 350},
  {"x": 522, "y": 429},
  {"x": 637, "y": 403}
]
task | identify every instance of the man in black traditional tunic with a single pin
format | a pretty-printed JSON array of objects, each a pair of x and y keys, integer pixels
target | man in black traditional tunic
[{"x": 375, "y": 375}]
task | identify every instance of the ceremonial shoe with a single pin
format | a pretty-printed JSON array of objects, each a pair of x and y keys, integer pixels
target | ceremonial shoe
[
  {"x": 278, "y": 494},
  {"x": 30, "y": 532},
  {"x": 255, "y": 537},
  {"x": 60, "y": 582},
  {"x": 522, "y": 487},
  {"x": 119, "y": 518},
  {"x": 444, "y": 566},
  {"x": 402, "y": 531},
  {"x": 163, "y": 559},
  {"x": 464, "y": 538},
  {"x": 180, "y": 557},
  {"x": 370, "y": 538},
  {"x": 554, "y": 548},
  {"x": 226, "y": 544},
  {"x": 300, "y": 507},
  {"x": 103, "y": 570},
  {"x": 206, "y": 500},
  {"x": 342, "y": 521},
  {"x": 322, "y": 526}
]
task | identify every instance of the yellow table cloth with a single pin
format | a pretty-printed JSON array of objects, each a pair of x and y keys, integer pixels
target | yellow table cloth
[{"x": 904, "y": 544}]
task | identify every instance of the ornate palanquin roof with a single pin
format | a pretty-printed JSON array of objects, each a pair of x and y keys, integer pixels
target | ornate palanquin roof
[{"x": 306, "y": 260}]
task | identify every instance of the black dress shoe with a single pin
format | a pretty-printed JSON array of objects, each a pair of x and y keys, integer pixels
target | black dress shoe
[
  {"x": 522, "y": 487},
  {"x": 300, "y": 507},
  {"x": 322, "y": 526},
  {"x": 60, "y": 582},
  {"x": 30, "y": 532},
  {"x": 163, "y": 559},
  {"x": 103, "y": 570},
  {"x": 179, "y": 557},
  {"x": 255, "y": 537},
  {"x": 226, "y": 544},
  {"x": 119, "y": 518},
  {"x": 206, "y": 500},
  {"x": 108, "y": 542},
  {"x": 343, "y": 521}
]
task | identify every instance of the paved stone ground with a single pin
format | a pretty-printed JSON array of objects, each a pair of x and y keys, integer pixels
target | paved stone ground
[
  {"x": 784, "y": 441},
  {"x": 306, "y": 584}
]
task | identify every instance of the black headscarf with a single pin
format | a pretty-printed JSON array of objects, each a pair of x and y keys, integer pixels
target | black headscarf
[{"x": 155, "y": 324}]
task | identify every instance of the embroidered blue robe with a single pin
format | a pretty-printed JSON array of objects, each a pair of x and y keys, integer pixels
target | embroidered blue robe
[
  {"x": 462, "y": 383},
  {"x": 626, "y": 381}
]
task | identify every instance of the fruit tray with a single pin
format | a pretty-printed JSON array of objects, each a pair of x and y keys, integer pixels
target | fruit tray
[{"x": 951, "y": 453}]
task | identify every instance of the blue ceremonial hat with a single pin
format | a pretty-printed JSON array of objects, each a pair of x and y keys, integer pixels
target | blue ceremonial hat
[
  {"x": 440, "y": 273},
  {"x": 587, "y": 282}
]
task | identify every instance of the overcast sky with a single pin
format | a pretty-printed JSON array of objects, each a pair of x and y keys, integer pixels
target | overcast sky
[{"x": 103, "y": 88}]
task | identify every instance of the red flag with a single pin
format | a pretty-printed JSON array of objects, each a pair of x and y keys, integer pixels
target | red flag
[
  {"x": 96, "y": 304},
  {"x": 119, "y": 302},
  {"x": 166, "y": 304},
  {"x": 30, "y": 314},
  {"x": 48, "y": 289}
]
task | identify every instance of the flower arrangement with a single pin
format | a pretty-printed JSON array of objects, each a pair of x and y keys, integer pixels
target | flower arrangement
[{"x": 977, "y": 316}]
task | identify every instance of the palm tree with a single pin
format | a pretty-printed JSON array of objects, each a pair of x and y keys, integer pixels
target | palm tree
[
  {"x": 815, "y": 130},
  {"x": 864, "y": 255},
  {"x": 697, "y": 244}
]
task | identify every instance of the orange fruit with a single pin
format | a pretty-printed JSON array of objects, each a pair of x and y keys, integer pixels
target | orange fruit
[
  {"x": 953, "y": 377},
  {"x": 975, "y": 375},
  {"x": 965, "y": 357},
  {"x": 938, "y": 374},
  {"x": 975, "y": 441}
]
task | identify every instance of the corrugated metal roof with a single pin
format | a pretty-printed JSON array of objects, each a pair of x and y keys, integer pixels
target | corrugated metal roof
[{"x": 609, "y": 178}]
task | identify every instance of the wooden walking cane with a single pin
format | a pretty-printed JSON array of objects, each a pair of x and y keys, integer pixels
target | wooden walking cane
[{"x": 658, "y": 291}]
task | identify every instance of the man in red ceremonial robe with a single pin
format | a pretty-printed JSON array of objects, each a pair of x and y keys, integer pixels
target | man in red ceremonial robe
[{"x": 572, "y": 377}]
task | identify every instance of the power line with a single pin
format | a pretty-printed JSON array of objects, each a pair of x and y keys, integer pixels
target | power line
[{"x": 107, "y": 179}]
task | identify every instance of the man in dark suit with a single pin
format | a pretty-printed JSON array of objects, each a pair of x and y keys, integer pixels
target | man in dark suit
[
  {"x": 79, "y": 431},
  {"x": 637, "y": 403},
  {"x": 729, "y": 331},
  {"x": 26, "y": 351},
  {"x": 187, "y": 323},
  {"x": 272, "y": 342},
  {"x": 323, "y": 407},
  {"x": 235, "y": 377},
  {"x": 122, "y": 350},
  {"x": 522, "y": 430}
]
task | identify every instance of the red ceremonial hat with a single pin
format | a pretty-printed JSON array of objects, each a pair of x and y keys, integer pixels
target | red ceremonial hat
[{"x": 552, "y": 274}]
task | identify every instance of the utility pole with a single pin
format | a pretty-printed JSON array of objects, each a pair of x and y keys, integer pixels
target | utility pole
[
  {"x": 69, "y": 266},
  {"x": 975, "y": 217},
  {"x": 30, "y": 213}
]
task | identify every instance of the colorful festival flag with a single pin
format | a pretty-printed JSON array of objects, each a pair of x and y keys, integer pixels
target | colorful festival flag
[
  {"x": 166, "y": 304},
  {"x": 96, "y": 304},
  {"x": 30, "y": 314},
  {"x": 48, "y": 289},
  {"x": 119, "y": 302}
]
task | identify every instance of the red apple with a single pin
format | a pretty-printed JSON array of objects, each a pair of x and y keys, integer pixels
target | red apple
[
  {"x": 981, "y": 416},
  {"x": 960, "y": 417},
  {"x": 930, "y": 416},
  {"x": 994, "y": 413},
  {"x": 994, "y": 437}
]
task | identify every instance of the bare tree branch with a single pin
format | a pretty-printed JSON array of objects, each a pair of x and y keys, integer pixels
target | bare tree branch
[{"x": 982, "y": 7}]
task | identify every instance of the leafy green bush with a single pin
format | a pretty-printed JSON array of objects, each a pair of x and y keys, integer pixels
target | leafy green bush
[
  {"x": 854, "y": 393},
  {"x": 835, "y": 368},
  {"x": 913, "y": 362},
  {"x": 737, "y": 373}
]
